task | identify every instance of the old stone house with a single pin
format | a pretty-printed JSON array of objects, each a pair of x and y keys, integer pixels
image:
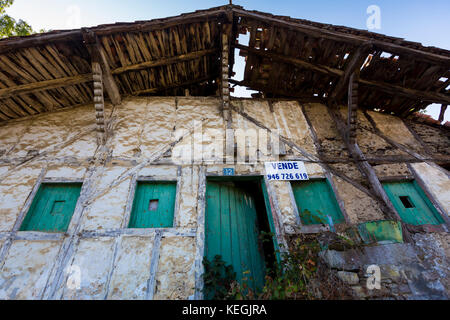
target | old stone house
[{"x": 124, "y": 160}]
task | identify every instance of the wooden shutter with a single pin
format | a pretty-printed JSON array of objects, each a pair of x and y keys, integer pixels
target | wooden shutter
[
  {"x": 315, "y": 201},
  {"x": 52, "y": 207},
  {"x": 411, "y": 203},
  {"x": 154, "y": 205}
]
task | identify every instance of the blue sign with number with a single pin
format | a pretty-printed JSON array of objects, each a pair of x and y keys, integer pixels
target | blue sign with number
[{"x": 228, "y": 171}]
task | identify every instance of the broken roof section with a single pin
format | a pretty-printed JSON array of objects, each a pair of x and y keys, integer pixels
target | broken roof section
[{"x": 285, "y": 58}]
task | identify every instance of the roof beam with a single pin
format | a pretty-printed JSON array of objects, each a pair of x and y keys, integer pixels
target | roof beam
[
  {"x": 442, "y": 113},
  {"x": 355, "y": 63},
  {"x": 382, "y": 86},
  {"x": 165, "y": 61},
  {"x": 429, "y": 96},
  {"x": 347, "y": 37},
  {"x": 293, "y": 61},
  {"x": 44, "y": 85},
  {"x": 175, "y": 85},
  {"x": 98, "y": 56}
]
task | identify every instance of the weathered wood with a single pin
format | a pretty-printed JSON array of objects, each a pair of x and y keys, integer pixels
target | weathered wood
[
  {"x": 99, "y": 102},
  {"x": 353, "y": 65},
  {"x": 175, "y": 85},
  {"x": 382, "y": 86},
  {"x": 293, "y": 61},
  {"x": 407, "y": 92},
  {"x": 303, "y": 98},
  {"x": 364, "y": 167},
  {"x": 165, "y": 61},
  {"x": 442, "y": 113},
  {"x": 44, "y": 85},
  {"x": 225, "y": 71},
  {"x": 98, "y": 56},
  {"x": 352, "y": 107},
  {"x": 345, "y": 37}
]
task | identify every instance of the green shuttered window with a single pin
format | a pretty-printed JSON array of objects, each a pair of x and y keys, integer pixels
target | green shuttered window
[
  {"x": 316, "y": 201},
  {"x": 411, "y": 203},
  {"x": 52, "y": 207},
  {"x": 154, "y": 205}
]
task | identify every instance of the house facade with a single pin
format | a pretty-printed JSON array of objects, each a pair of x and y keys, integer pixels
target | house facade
[{"x": 124, "y": 161}]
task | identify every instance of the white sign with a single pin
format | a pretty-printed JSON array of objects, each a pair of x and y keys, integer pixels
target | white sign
[{"x": 286, "y": 171}]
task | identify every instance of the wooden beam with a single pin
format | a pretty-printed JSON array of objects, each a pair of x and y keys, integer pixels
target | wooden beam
[
  {"x": 165, "y": 61},
  {"x": 225, "y": 72},
  {"x": 175, "y": 85},
  {"x": 293, "y": 61},
  {"x": 98, "y": 55},
  {"x": 383, "y": 86},
  {"x": 353, "y": 39},
  {"x": 352, "y": 107},
  {"x": 44, "y": 85},
  {"x": 364, "y": 166},
  {"x": 429, "y": 96},
  {"x": 355, "y": 63},
  {"x": 442, "y": 113},
  {"x": 257, "y": 87},
  {"x": 302, "y": 98},
  {"x": 99, "y": 103}
]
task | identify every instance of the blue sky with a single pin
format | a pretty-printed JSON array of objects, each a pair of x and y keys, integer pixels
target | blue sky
[{"x": 422, "y": 21}]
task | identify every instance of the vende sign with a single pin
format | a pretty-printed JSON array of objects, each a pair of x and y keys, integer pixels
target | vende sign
[{"x": 286, "y": 171}]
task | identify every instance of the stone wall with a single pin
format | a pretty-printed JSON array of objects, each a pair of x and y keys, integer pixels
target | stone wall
[{"x": 145, "y": 136}]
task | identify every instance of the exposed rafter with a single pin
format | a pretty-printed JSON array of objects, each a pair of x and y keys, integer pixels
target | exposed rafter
[
  {"x": 99, "y": 103},
  {"x": 355, "y": 63},
  {"x": 165, "y": 61},
  {"x": 293, "y": 61},
  {"x": 44, "y": 85},
  {"x": 175, "y": 85}
]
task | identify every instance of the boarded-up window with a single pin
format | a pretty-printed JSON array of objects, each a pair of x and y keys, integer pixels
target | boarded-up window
[
  {"x": 154, "y": 205},
  {"x": 316, "y": 202},
  {"x": 411, "y": 203},
  {"x": 52, "y": 207}
]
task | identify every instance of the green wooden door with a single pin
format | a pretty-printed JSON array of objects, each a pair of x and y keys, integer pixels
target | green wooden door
[
  {"x": 52, "y": 207},
  {"x": 411, "y": 203},
  {"x": 154, "y": 205},
  {"x": 232, "y": 232},
  {"x": 315, "y": 201}
]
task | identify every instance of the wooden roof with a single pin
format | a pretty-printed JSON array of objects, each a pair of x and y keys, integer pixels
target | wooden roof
[{"x": 285, "y": 57}]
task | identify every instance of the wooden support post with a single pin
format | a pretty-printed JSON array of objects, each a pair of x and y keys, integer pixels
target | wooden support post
[
  {"x": 99, "y": 102},
  {"x": 364, "y": 166},
  {"x": 224, "y": 84},
  {"x": 352, "y": 107},
  {"x": 442, "y": 114},
  {"x": 98, "y": 55}
]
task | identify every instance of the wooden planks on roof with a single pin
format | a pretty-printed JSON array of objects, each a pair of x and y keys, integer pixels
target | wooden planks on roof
[{"x": 285, "y": 57}]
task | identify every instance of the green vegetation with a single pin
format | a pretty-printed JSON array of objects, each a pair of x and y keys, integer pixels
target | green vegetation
[{"x": 9, "y": 27}]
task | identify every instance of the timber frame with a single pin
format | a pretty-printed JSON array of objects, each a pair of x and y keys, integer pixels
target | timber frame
[{"x": 194, "y": 52}]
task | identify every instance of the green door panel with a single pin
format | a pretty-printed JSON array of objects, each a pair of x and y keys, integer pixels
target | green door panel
[
  {"x": 315, "y": 201},
  {"x": 411, "y": 203},
  {"x": 154, "y": 205},
  {"x": 232, "y": 232},
  {"x": 52, "y": 207}
]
